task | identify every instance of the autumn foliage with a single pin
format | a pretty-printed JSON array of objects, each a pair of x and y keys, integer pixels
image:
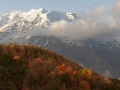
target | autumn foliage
[
  {"x": 16, "y": 57},
  {"x": 28, "y": 67}
]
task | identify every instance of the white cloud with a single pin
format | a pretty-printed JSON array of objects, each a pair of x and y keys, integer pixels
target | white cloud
[
  {"x": 83, "y": 29},
  {"x": 100, "y": 10},
  {"x": 116, "y": 8},
  {"x": 88, "y": 26}
]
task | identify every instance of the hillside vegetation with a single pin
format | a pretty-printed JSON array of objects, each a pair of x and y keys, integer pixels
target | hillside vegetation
[{"x": 28, "y": 67}]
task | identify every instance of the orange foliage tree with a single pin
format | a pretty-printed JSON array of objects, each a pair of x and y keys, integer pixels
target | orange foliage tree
[
  {"x": 16, "y": 57},
  {"x": 89, "y": 71},
  {"x": 84, "y": 85}
]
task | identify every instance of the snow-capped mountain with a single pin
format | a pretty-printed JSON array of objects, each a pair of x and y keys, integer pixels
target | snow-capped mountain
[
  {"x": 18, "y": 22},
  {"x": 100, "y": 55},
  {"x": 22, "y": 21}
]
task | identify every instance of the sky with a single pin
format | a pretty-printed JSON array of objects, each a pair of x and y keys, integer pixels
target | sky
[{"x": 75, "y": 6}]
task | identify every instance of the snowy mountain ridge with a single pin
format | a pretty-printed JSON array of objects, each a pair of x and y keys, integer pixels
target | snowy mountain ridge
[{"x": 27, "y": 20}]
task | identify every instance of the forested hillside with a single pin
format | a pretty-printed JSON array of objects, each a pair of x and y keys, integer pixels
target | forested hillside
[{"x": 28, "y": 67}]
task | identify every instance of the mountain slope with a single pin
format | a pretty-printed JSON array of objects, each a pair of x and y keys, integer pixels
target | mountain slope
[
  {"x": 109, "y": 49},
  {"x": 15, "y": 27},
  {"x": 75, "y": 50}
]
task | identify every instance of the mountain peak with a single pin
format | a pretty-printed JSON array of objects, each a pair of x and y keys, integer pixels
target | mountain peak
[
  {"x": 42, "y": 10},
  {"x": 14, "y": 12}
]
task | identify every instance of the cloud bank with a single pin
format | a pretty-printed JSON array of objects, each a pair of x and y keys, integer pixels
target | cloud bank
[{"x": 99, "y": 23}]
